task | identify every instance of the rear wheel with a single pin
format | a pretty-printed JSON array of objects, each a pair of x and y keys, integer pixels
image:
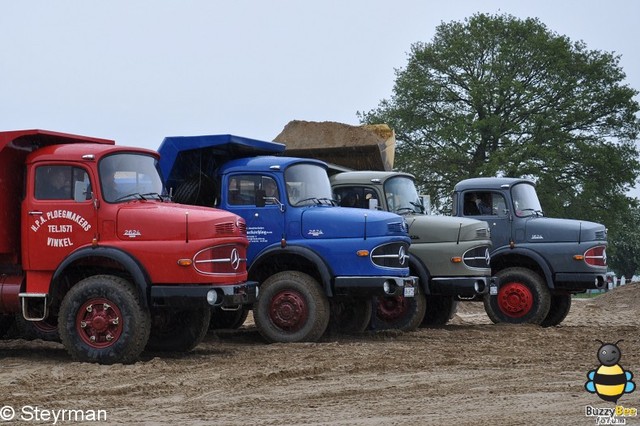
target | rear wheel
[
  {"x": 6, "y": 321},
  {"x": 350, "y": 316},
  {"x": 523, "y": 298},
  {"x": 47, "y": 329},
  {"x": 223, "y": 319},
  {"x": 291, "y": 308},
  {"x": 101, "y": 320},
  {"x": 440, "y": 309},
  {"x": 560, "y": 306},
  {"x": 398, "y": 312},
  {"x": 178, "y": 330}
]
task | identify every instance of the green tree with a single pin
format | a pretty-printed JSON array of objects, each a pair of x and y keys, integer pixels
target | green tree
[
  {"x": 500, "y": 96},
  {"x": 624, "y": 244}
]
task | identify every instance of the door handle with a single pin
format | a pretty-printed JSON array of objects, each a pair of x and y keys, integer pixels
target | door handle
[{"x": 35, "y": 213}]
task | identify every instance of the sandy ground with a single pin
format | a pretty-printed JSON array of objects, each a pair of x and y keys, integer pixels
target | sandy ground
[{"x": 469, "y": 372}]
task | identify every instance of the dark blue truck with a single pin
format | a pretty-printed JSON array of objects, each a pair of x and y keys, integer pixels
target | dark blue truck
[
  {"x": 540, "y": 261},
  {"x": 316, "y": 263}
]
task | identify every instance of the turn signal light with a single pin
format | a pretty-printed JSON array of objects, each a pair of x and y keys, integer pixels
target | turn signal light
[
  {"x": 578, "y": 257},
  {"x": 185, "y": 262},
  {"x": 456, "y": 259},
  {"x": 362, "y": 253}
]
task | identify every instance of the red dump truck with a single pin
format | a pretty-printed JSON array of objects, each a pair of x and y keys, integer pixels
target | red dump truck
[{"x": 91, "y": 250}]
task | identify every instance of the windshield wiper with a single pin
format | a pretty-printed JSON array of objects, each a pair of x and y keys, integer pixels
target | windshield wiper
[
  {"x": 133, "y": 194},
  {"x": 160, "y": 197}
]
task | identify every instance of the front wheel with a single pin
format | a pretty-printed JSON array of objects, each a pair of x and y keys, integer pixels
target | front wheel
[
  {"x": 523, "y": 298},
  {"x": 560, "y": 306},
  {"x": 178, "y": 331},
  {"x": 350, "y": 316},
  {"x": 101, "y": 320},
  {"x": 398, "y": 312},
  {"x": 291, "y": 308}
]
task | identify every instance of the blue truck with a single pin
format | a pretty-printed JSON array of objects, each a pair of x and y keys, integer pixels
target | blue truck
[
  {"x": 318, "y": 265},
  {"x": 540, "y": 261}
]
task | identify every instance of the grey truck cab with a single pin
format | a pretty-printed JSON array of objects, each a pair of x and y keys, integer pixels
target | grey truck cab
[
  {"x": 540, "y": 261},
  {"x": 449, "y": 255}
]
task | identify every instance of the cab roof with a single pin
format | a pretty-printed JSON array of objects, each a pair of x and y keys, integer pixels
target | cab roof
[{"x": 490, "y": 183}]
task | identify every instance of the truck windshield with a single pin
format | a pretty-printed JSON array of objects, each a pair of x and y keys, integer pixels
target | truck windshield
[
  {"x": 525, "y": 200},
  {"x": 124, "y": 177},
  {"x": 402, "y": 196},
  {"x": 307, "y": 184}
]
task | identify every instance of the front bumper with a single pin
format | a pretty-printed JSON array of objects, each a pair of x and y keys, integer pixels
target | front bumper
[
  {"x": 464, "y": 287},
  {"x": 358, "y": 287},
  {"x": 195, "y": 296},
  {"x": 579, "y": 281}
]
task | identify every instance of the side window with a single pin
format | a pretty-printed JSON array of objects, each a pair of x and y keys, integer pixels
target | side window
[
  {"x": 351, "y": 196},
  {"x": 470, "y": 206},
  {"x": 241, "y": 189},
  {"x": 62, "y": 183},
  {"x": 270, "y": 188},
  {"x": 484, "y": 203}
]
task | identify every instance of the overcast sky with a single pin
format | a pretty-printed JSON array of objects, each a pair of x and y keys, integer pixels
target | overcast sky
[{"x": 136, "y": 71}]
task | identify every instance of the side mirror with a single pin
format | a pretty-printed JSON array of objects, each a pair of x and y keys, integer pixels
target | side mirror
[
  {"x": 373, "y": 204},
  {"x": 426, "y": 203}
]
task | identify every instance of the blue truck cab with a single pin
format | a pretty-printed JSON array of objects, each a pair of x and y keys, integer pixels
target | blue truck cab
[
  {"x": 316, "y": 263},
  {"x": 540, "y": 261}
]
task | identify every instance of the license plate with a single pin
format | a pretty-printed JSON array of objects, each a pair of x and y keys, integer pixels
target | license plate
[{"x": 409, "y": 291}]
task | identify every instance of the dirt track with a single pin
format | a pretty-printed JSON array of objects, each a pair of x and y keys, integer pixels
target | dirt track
[{"x": 468, "y": 373}]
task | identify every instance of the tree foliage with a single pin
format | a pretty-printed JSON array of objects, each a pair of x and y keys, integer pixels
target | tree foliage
[
  {"x": 499, "y": 96},
  {"x": 624, "y": 244}
]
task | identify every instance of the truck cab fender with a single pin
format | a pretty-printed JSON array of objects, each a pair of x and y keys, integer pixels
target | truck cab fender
[
  {"x": 419, "y": 269},
  {"x": 290, "y": 253},
  {"x": 498, "y": 256},
  {"x": 131, "y": 266}
]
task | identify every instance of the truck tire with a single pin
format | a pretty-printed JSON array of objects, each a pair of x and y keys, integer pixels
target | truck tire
[
  {"x": 6, "y": 321},
  {"x": 523, "y": 298},
  {"x": 291, "y": 308},
  {"x": 440, "y": 309},
  {"x": 222, "y": 319},
  {"x": 349, "y": 316},
  {"x": 177, "y": 330},
  {"x": 560, "y": 306},
  {"x": 101, "y": 320},
  {"x": 46, "y": 330},
  {"x": 400, "y": 313}
]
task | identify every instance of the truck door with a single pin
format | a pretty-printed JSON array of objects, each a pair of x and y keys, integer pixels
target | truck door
[
  {"x": 58, "y": 213},
  {"x": 265, "y": 225},
  {"x": 491, "y": 207}
]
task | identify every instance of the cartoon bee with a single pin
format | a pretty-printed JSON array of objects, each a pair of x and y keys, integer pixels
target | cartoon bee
[{"x": 610, "y": 380}]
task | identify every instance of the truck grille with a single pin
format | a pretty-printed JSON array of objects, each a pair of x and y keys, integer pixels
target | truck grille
[
  {"x": 229, "y": 228},
  {"x": 392, "y": 255},
  {"x": 225, "y": 259},
  {"x": 397, "y": 227},
  {"x": 478, "y": 257}
]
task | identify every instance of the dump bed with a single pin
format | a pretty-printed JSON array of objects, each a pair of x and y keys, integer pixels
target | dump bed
[{"x": 182, "y": 156}]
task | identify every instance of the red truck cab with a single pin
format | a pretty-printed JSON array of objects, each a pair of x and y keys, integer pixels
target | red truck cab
[{"x": 91, "y": 247}]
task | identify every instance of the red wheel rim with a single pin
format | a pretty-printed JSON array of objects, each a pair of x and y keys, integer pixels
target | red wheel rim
[
  {"x": 391, "y": 308},
  {"x": 515, "y": 299},
  {"x": 288, "y": 310},
  {"x": 99, "y": 323}
]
